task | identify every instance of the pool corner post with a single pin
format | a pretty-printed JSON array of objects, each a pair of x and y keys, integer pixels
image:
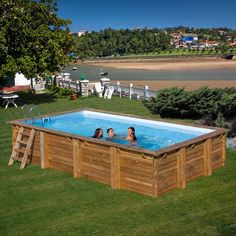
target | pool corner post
[
  {"x": 207, "y": 167},
  {"x": 224, "y": 137},
  {"x": 43, "y": 150},
  {"x": 155, "y": 177},
  {"x": 181, "y": 168},
  {"x": 76, "y": 158}
]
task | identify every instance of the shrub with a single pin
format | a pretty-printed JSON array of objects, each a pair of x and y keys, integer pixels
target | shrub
[
  {"x": 203, "y": 102},
  {"x": 62, "y": 92},
  {"x": 227, "y": 105},
  {"x": 233, "y": 128},
  {"x": 229, "y": 90},
  {"x": 173, "y": 102},
  {"x": 151, "y": 105},
  {"x": 206, "y": 121},
  {"x": 220, "y": 120}
]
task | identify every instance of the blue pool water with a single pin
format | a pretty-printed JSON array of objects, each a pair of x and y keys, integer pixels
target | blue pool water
[{"x": 151, "y": 135}]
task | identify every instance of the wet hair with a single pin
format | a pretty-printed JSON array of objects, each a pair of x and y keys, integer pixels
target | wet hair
[
  {"x": 96, "y": 133},
  {"x": 133, "y": 132},
  {"x": 108, "y": 130}
]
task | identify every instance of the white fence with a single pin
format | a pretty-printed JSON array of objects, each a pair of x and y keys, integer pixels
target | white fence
[
  {"x": 121, "y": 90},
  {"x": 132, "y": 92}
]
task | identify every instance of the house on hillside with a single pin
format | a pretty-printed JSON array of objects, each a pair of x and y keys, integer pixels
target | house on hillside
[
  {"x": 189, "y": 38},
  {"x": 210, "y": 44},
  {"x": 81, "y": 32},
  {"x": 185, "y": 41},
  {"x": 175, "y": 35},
  {"x": 222, "y": 32}
]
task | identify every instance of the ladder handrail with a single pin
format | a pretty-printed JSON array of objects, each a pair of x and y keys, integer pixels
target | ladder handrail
[
  {"x": 33, "y": 107},
  {"x": 23, "y": 108},
  {"x": 30, "y": 109}
]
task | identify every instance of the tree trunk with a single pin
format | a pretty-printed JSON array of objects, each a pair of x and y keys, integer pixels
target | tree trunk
[{"x": 31, "y": 84}]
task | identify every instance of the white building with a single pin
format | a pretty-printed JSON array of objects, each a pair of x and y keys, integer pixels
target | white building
[
  {"x": 82, "y": 32},
  {"x": 21, "y": 80}
]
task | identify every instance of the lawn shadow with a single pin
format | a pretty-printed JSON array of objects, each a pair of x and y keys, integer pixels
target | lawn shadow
[{"x": 30, "y": 98}]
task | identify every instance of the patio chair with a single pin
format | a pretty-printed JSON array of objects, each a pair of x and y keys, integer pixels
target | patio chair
[
  {"x": 98, "y": 89},
  {"x": 109, "y": 89},
  {"x": 8, "y": 98}
]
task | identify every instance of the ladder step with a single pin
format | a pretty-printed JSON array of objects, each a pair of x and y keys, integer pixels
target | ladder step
[
  {"x": 22, "y": 142},
  {"x": 20, "y": 159},
  {"x": 20, "y": 150},
  {"x": 17, "y": 158},
  {"x": 21, "y": 132}
]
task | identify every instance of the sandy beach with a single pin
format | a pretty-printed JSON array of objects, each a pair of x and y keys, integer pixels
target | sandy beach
[
  {"x": 172, "y": 64},
  {"x": 169, "y": 64}
]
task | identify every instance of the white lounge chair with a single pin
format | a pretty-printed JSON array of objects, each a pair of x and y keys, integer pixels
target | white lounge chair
[
  {"x": 109, "y": 89},
  {"x": 98, "y": 89}
]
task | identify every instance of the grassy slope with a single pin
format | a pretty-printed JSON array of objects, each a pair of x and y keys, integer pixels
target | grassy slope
[
  {"x": 178, "y": 53},
  {"x": 48, "y": 202}
]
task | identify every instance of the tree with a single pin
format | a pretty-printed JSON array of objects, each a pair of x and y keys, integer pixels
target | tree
[{"x": 33, "y": 40}]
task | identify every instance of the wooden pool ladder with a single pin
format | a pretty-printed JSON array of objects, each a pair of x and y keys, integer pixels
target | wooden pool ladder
[{"x": 22, "y": 148}]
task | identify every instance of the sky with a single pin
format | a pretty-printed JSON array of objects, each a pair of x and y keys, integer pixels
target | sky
[{"x": 95, "y": 15}]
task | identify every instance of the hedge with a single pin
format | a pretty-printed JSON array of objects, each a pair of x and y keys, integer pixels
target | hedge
[{"x": 178, "y": 103}]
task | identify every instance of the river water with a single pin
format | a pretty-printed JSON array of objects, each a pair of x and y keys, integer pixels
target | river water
[{"x": 92, "y": 73}]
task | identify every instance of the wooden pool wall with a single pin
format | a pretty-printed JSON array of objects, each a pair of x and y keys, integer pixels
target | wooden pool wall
[{"x": 139, "y": 170}]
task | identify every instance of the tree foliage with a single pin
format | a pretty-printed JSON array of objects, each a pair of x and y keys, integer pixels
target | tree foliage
[
  {"x": 33, "y": 40},
  {"x": 110, "y": 42},
  {"x": 122, "y": 42}
]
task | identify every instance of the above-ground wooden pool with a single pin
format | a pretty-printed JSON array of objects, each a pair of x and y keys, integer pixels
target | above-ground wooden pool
[{"x": 149, "y": 172}]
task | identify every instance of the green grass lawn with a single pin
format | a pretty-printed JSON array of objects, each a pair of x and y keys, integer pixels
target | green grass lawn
[{"x": 49, "y": 202}]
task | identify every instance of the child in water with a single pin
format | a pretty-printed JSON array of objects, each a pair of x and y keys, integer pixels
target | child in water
[
  {"x": 98, "y": 133},
  {"x": 131, "y": 135}
]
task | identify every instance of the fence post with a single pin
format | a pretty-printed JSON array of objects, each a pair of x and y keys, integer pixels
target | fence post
[
  {"x": 130, "y": 91},
  {"x": 84, "y": 88},
  {"x": 77, "y": 85},
  {"x": 118, "y": 88},
  {"x": 145, "y": 96}
]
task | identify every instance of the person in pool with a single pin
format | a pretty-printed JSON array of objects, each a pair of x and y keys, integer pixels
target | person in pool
[
  {"x": 110, "y": 133},
  {"x": 131, "y": 135},
  {"x": 98, "y": 133}
]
